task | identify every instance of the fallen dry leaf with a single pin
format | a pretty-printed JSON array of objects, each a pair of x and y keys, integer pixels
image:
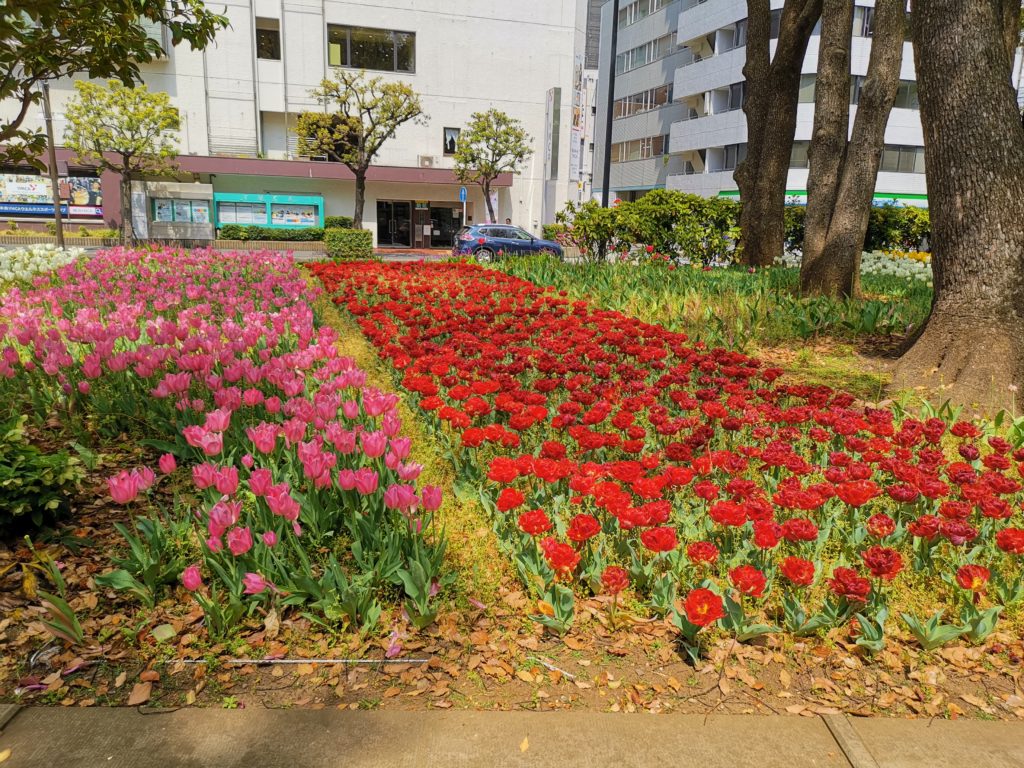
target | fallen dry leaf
[
  {"x": 140, "y": 694},
  {"x": 525, "y": 745}
]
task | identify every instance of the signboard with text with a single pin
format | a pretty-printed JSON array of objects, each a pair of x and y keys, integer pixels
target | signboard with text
[{"x": 28, "y": 195}]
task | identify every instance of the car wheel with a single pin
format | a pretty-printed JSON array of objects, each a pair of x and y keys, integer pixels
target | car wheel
[{"x": 484, "y": 254}]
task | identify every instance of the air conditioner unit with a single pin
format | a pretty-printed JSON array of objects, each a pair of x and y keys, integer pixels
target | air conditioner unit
[{"x": 427, "y": 161}]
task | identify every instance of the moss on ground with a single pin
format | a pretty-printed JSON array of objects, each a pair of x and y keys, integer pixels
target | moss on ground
[{"x": 472, "y": 546}]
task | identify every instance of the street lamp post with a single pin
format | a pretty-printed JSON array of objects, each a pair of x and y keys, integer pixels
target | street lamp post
[
  {"x": 52, "y": 163},
  {"x": 607, "y": 169}
]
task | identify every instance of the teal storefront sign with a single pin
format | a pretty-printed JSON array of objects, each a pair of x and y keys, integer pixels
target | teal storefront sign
[{"x": 273, "y": 211}]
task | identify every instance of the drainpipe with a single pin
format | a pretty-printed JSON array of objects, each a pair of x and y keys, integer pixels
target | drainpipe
[{"x": 611, "y": 102}]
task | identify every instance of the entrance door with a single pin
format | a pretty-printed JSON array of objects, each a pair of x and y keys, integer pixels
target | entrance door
[
  {"x": 394, "y": 223},
  {"x": 444, "y": 223}
]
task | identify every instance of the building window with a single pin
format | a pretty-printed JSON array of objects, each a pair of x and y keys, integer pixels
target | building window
[
  {"x": 737, "y": 92},
  {"x": 451, "y": 140},
  {"x": 776, "y": 23},
  {"x": 382, "y": 50},
  {"x": 640, "y": 9},
  {"x": 181, "y": 211},
  {"x": 863, "y": 21},
  {"x": 645, "y": 54},
  {"x": 268, "y": 39},
  {"x": 798, "y": 156},
  {"x": 241, "y": 213},
  {"x": 734, "y": 155},
  {"x": 807, "y": 88},
  {"x": 640, "y": 149},
  {"x": 642, "y": 102},
  {"x": 898, "y": 159},
  {"x": 906, "y": 95}
]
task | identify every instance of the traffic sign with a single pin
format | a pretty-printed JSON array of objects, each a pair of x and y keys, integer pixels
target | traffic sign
[{"x": 462, "y": 194}]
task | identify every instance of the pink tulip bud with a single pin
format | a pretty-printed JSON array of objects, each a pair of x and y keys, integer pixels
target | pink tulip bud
[
  {"x": 269, "y": 538},
  {"x": 254, "y": 583},
  {"x": 192, "y": 578},
  {"x": 167, "y": 463}
]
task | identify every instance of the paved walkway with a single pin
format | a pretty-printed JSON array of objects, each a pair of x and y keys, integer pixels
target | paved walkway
[{"x": 261, "y": 738}]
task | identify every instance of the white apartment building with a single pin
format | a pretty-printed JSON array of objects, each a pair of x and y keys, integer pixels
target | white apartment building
[
  {"x": 239, "y": 100},
  {"x": 693, "y": 139}
]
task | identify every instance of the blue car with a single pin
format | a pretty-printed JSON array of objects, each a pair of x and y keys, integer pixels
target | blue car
[{"x": 490, "y": 241}]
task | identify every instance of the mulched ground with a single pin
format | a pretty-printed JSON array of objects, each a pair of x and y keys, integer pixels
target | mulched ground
[{"x": 475, "y": 656}]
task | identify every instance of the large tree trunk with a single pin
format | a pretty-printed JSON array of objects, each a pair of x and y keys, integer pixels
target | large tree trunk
[
  {"x": 127, "y": 227},
  {"x": 835, "y": 235},
  {"x": 971, "y": 348},
  {"x": 770, "y": 102},
  {"x": 357, "y": 213},
  {"x": 831, "y": 129}
]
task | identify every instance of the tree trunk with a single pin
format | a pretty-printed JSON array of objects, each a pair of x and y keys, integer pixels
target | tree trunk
[
  {"x": 127, "y": 228},
  {"x": 485, "y": 184},
  {"x": 357, "y": 214},
  {"x": 831, "y": 259},
  {"x": 770, "y": 102},
  {"x": 971, "y": 348},
  {"x": 831, "y": 130}
]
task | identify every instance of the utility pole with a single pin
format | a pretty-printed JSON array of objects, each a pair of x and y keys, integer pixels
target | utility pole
[
  {"x": 605, "y": 192},
  {"x": 52, "y": 163}
]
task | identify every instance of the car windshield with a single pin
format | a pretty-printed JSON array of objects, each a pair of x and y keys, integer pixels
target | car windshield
[{"x": 522, "y": 234}]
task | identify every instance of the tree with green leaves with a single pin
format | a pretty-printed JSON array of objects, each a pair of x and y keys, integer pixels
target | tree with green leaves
[
  {"x": 367, "y": 112},
  {"x": 492, "y": 144},
  {"x": 49, "y": 39},
  {"x": 125, "y": 130}
]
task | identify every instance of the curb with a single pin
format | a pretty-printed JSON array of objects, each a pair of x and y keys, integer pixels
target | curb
[
  {"x": 849, "y": 742},
  {"x": 7, "y": 713}
]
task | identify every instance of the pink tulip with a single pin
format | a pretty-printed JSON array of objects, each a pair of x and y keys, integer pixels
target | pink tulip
[
  {"x": 350, "y": 408},
  {"x": 144, "y": 477},
  {"x": 254, "y": 583},
  {"x": 239, "y": 541},
  {"x": 409, "y": 472},
  {"x": 346, "y": 479},
  {"x": 191, "y": 578},
  {"x": 248, "y": 461},
  {"x": 269, "y": 538},
  {"x": 204, "y": 475},
  {"x": 167, "y": 463},
  {"x": 263, "y": 437},
  {"x": 226, "y": 480},
  {"x": 431, "y": 497},
  {"x": 374, "y": 443},
  {"x": 124, "y": 487},
  {"x": 218, "y": 420},
  {"x": 260, "y": 481},
  {"x": 401, "y": 446},
  {"x": 366, "y": 481},
  {"x": 214, "y": 544}
]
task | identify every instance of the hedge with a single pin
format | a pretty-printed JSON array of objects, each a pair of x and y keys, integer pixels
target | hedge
[
  {"x": 349, "y": 243},
  {"x": 295, "y": 234},
  {"x": 337, "y": 222},
  {"x": 890, "y": 227}
]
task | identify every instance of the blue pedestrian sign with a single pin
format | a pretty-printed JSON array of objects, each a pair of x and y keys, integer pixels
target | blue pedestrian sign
[{"x": 462, "y": 194}]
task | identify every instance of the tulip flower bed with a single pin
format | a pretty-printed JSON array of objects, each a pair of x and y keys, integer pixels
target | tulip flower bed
[
  {"x": 298, "y": 487},
  {"x": 618, "y": 457}
]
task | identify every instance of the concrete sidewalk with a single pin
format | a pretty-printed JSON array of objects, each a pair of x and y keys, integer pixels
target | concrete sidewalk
[{"x": 55, "y": 737}]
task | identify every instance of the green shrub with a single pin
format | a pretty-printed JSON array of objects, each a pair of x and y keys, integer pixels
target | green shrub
[
  {"x": 232, "y": 232},
  {"x": 793, "y": 219},
  {"x": 349, "y": 243},
  {"x": 676, "y": 224},
  {"x": 291, "y": 234},
  {"x": 890, "y": 227},
  {"x": 896, "y": 227},
  {"x": 594, "y": 230},
  {"x": 33, "y": 484},
  {"x": 552, "y": 231},
  {"x": 337, "y": 222}
]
